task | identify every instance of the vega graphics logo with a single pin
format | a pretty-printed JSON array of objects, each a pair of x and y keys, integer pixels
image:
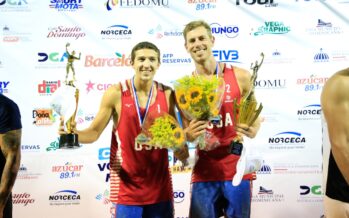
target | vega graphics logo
[
  {"x": 266, "y": 3},
  {"x": 287, "y": 141},
  {"x": 14, "y": 6},
  {"x": 65, "y": 32},
  {"x": 47, "y": 88},
  {"x": 226, "y": 55},
  {"x": 312, "y": 83},
  {"x": 111, "y": 4},
  {"x": 324, "y": 28},
  {"x": 53, "y": 145},
  {"x": 67, "y": 171},
  {"x": 309, "y": 112},
  {"x": 229, "y": 31},
  {"x": 43, "y": 117},
  {"x": 170, "y": 58},
  {"x": 116, "y": 32},
  {"x": 104, "y": 167},
  {"x": 119, "y": 61},
  {"x": 310, "y": 193},
  {"x": 65, "y": 198},
  {"x": 23, "y": 199},
  {"x": 66, "y": 5},
  {"x": 272, "y": 28},
  {"x": 4, "y": 86},
  {"x": 267, "y": 195}
]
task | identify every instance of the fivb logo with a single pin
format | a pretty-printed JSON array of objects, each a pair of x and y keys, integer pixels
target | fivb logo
[
  {"x": 226, "y": 55},
  {"x": 230, "y": 31}
]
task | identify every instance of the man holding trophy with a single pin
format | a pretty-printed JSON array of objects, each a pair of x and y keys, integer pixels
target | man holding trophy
[
  {"x": 213, "y": 194},
  {"x": 140, "y": 178}
]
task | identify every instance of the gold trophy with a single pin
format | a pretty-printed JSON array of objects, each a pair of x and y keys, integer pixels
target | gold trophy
[
  {"x": 65, "y": 103},
  {"x": 247, "y": 110}
]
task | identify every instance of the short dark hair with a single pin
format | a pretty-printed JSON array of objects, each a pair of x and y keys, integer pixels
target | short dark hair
[
  {"x": 195, "y": 24},
  {"x": 144, "y": 45}
]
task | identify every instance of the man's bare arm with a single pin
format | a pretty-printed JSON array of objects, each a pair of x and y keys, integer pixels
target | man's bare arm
[
  {"x": 335, "y": 106},
  {"x": 11, "y": 148}
]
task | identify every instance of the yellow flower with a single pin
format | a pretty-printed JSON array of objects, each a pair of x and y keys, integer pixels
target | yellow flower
[
  {"x": 178, "y": 135},
  {"x": 182, "y": 99},
  {"x": 195, "y": 94}
]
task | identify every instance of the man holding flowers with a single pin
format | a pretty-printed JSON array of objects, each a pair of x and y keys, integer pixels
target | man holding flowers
[
  {"x": 140, "y": 179},
  {"x": 213, "y": 194}
]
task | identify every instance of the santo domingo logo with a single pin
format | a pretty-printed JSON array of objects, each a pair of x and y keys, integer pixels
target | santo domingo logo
[{"x": 272, "y": 27}]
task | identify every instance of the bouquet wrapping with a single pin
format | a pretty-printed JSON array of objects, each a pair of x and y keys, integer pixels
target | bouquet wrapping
[
  {"x": 200, "y": 97},
  {"x": 161, "y": 130}
]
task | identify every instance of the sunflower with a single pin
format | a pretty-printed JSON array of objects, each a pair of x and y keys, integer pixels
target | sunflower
[
  {"x": 178, "y": 136},
  {"x": 182, "y": 99},
  {"x": 195, "y": 94}
]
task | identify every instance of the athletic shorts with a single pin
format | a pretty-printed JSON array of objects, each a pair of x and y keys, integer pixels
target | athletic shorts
[
  {"x": 158, "y": 210},
  {"x": 215, "y": 199}
]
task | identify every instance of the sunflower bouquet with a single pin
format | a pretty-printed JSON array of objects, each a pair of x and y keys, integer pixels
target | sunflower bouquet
[
  {"x": 162, "y": 131},
  {"x": 200, "y": 97}
]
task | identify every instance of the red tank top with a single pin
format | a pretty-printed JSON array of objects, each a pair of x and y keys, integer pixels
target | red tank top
[
  {"x": 218, "y": 164},
  {"x": 139, "y": 174}
]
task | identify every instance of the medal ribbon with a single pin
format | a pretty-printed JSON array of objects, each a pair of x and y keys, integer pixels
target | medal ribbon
[{"x": 138, "y": 109}]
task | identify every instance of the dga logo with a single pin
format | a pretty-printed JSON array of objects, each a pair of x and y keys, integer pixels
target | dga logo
[
  {"x": 110, "y": 4},
  {"x": 266, "y": 3},
  {"x": 272, "y": 27},
  {"x": 66, "y": 5},
  {"x": 22, "y": 199},
  {"x": 310, "y": 193},
  {"x": 3, "y": 86},
  {"x": 312, "y": 83},
  {"x": 267, "y": 195},
  {"x": 230, "y": 31},
  {"x": 116, "y": 32},
  {"x": 104, "y": 197},
  {"x": 43, "y": 117},
  {"x": 48, "y": 87},
  {"x": 119, "y": 61},
  {"x": 104, "y": 153},
  {"x": 65, "y": 32},
  {"x": 178, "y": 196},
  {"x": 309, "y": 112},
  {"x": 67, "y": 171},
  {"x": 270, "y": 84},
  {"x": 64, "y": 197},
  {"x": 321, "y": 57},
  {"x": 172, "y": 59},
  {"x": 226, "y": 55},
  {"x": 14, "y": 5},
  {"x": 51, "y": 60},
  {"x": 287, "y": 140}
]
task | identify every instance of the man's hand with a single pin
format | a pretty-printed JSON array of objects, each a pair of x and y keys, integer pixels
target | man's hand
[
  {"x": 182, "y": 154},
  {"x": 195, "y": 129}
]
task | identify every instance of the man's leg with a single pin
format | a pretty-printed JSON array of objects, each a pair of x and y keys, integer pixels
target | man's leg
[
  {"x": 159, "y": 210},
  {"x": 127, "y": 211},
  {"x": 239, "y": 199}
]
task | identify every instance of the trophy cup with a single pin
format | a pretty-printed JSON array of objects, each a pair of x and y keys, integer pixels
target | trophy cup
[
  {"x": 65, "y": 103},
  {"x": 246, "y": 112}
]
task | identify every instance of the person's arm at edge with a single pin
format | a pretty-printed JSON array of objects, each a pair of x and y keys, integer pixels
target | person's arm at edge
[
  {"x": 335, "y": 106},
  {"x": 11, "y": 149}
]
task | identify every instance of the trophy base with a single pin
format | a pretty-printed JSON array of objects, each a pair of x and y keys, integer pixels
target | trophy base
[
  {"x": 69, "y": 141},
  {"x": 235, "y": 147}
]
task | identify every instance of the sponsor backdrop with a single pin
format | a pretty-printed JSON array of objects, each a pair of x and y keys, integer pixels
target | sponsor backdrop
[{"x": 304, "y": 43}]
